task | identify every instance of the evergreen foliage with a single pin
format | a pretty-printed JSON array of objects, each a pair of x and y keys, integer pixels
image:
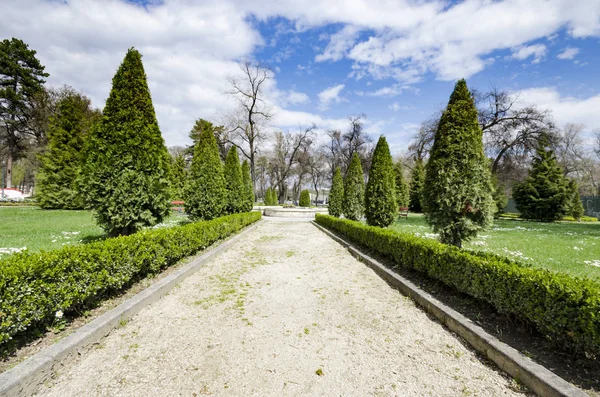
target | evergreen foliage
[
  {"x": 402, "y": 189},
  {"x": 274, "y": 196},
  {"x": 248, "y": 188},
  {"x": 178, "y": 176},
  {"x": 544, "y": 195},
  {"x": 126, "y": 174},
  {"x": 498, "y": 195},
  {"x": 336, "y": 195},
  {"x": 576, "y": 206},
  {"x": 354, "y": 190},
  {"x": 304, "y": 198},
  {"x": 61, "y": 162},
  {"x": 271, "y": 196},
  {"x": 416, "y": 187},
  {"x": 457, "y": 194},
  {"x": 205, "y": 195},
  {"x": 236, "y": 191},
  {"x": 380, "y": 195}
]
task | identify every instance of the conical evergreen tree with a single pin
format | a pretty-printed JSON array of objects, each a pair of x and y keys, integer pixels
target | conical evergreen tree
[
  {"x": 336, "y": 195},
  {"x": 544, "y": 194},
  {"x": 304, "y": 198},
  {"x": 499, "y": 196},
  {"x": 236, "y": 192},
  {"x": 178, "y": 176},
  {"x": 126, "y": 175},
  {"x": 204, "y": 194},
  {"x": 61, "y": 162},
  {"x": 402, "y": 189},
  {"x": 457, "y": 195},
  {"x": 576, "y": 206},
  {"x": 416, "y": 187},
  {"x": 274, "y": 200},
  {"x": 248, "y": 188},
  {"x": 380, "y": 194},
  {"x": 354, "y": 190}
]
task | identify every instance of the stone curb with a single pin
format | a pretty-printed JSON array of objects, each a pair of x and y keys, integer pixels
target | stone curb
[
  {"x": 538, "y": 378},
  {"x": 24, "y": 379}
]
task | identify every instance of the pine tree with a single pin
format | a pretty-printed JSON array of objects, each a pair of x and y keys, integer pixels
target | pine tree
[
  {"x": 380, "y": 194},
  {"x": 178, "y": 176},
  {"x": 126, "y": 174},
  {"x": 61, "y": 162},
  {"x": 354, "y": 190},
  {"x": 336, "y": 195},
  {"x": 234, "y": 185},
  {"x": 416, "y": 187},
  {"x": 402, "y": 189},
  {"x": 304, "y": 198},
  {"x": 248, "y": 188},
  {"x": 457, "y": 194},
  {"x": 544, "y": 194},
  {"x": 204, "y": 194}
]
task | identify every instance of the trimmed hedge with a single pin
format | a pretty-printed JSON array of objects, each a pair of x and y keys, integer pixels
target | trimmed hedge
[
  {"x": 564, "y": 308},
  {"x": 34, "y": 286}
]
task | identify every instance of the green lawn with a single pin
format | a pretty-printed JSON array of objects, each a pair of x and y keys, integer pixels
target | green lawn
[
  {"x": 37, "y": 229},
  {"x": 568, "y": 247}
]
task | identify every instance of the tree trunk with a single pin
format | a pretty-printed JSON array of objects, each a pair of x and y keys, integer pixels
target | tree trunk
[{"x": 9, "y": 165}]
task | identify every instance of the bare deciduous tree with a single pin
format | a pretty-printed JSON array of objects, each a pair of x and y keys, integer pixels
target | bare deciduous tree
[{"x": 569, "y": 149}]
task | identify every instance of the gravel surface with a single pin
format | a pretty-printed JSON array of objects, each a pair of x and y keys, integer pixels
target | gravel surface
[{"x": 285, "y": 311}]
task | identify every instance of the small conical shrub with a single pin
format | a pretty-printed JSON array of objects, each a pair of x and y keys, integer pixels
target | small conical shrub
[
  {"x": 416, "y": 187},
  {"x": 204, "y": 194},
  {"x": 336, "y": 195},
  {"x": 457, "y": 195},
  {"x": 402, "y": 190},
  {"x": 380, "y": 194},
  {"x": 304, "y": 198},
  {"x": 248, "y": 188},
  {"x": 544, "y": 194},
  {"x": 576, "y": 205},
  {"x": 236, "y": 192},
  {"x": 126, "y": 174},
  {"x": 354, "y": 190}
]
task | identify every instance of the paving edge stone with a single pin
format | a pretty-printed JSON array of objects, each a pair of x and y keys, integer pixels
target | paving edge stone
[
  {"x": 538, "y": 378},
  {"x": 24, "y": 379}
]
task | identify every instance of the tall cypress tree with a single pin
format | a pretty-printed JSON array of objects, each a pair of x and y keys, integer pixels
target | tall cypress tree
[
  {"x": 178, "y": 176},
  {"x": 336, "y": 195},
  {"x": 402, "y": 190},
  {"x": 416, "y": 187},
  {"x": 126, "y": 175},
  {"x": 236, "y": 193},
  {"x": 304, "y": 198},
  {"x": 380, "y": 194},
  {"x": 457, "y": 195},
  {"x": 544, "y": 195},
  {"x": 354, "y": 190},
  {"x": 204, "y": 194},
  {"x": 248, "y": 188},
  {"x": 61, "y": 162}
]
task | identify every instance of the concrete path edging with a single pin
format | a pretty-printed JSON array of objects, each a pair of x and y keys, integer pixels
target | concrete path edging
[
  {"x": 535, "y": 376},
  {"x": 23, "y": 379}
]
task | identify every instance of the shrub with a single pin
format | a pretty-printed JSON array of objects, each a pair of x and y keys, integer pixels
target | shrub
[
  {"x": 178, "y": 176},
  {"x": 457, "y": 194},
  {"x": 336, "y": 195},
  {"x": 236, "y": 192},
  {"x": 380, "y": 194},
  {"x": 271, "y": 196},
  {"x": 248, "y": 188},
  {"x": 204, "y": 194},
  {"x": 544, "y": 194},
  {"x": 34, "y": 286},
  {"x": 126, "y": 173},
  {"x": 354, "y": 190},
  {"x": 576, "y": 209},
  {"x": 304, "y": 198},
  {"x": 416, "y": 187},
  {"x": 562, "y": 307},
  {"x": 402, "y": 189}
]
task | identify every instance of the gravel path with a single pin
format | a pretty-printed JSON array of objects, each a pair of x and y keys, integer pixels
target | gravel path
[{"x": 285, "y": 311}]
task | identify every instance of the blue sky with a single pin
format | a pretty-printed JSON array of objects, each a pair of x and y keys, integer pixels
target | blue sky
[{"x": 396, "y": 62}]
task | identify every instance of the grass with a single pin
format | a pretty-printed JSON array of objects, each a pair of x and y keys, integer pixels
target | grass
[
  {"x": 568, "y": 247},
  {"x": 36, "y": 229}
]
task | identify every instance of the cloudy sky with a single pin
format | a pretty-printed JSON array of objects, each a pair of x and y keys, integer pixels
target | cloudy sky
[{"x": 396, "y": 61}]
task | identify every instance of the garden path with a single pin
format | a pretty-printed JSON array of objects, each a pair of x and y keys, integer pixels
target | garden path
[{"x": 284, "y": 311}]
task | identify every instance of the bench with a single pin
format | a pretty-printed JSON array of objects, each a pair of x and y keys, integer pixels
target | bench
[
  {"x": 177, "y": 205},
  {"x": 403, "y": 212}
]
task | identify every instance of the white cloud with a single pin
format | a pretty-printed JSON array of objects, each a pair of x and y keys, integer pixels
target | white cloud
[
  {"x": 339, "y": 44},
  {"x": 396, "y": 107},
  {"x": 329, "y": 95},
  {"x": 568, "y": 53},
  {"x": 564, "y": 109},
  {"x": 390, "y": 91},
  {"x": 537, "y": 51}
]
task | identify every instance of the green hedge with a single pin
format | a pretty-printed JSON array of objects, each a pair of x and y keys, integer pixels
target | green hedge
[
  {"x": 564, "y": 308},
  {"x": 34, "y": 286}
]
